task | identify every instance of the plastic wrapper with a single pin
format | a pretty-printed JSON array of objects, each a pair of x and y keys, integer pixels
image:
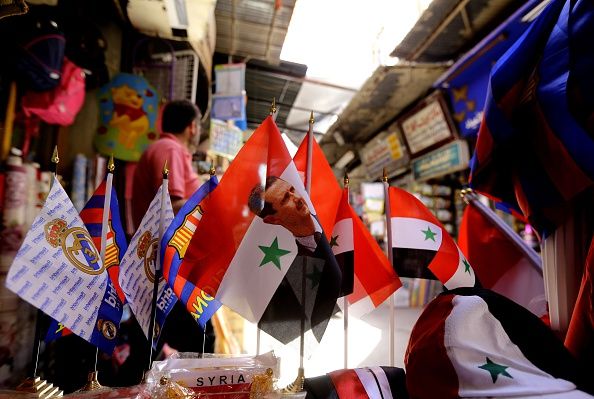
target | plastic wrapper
[{"x": 215, "y": 376}]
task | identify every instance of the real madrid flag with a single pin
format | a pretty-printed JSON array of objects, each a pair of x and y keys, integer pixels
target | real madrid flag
[
  {"x": 58, "y": 270},
  {"x": 137, "y": 269}
]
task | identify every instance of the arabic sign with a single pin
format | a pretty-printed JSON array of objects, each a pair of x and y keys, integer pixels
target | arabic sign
[
  {"x": 450, "y": 158},
  {"x": 384, "y": 151}
]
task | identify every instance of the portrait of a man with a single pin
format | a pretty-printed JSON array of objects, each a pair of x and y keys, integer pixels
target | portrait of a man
[{"x": 278, "y": 203}]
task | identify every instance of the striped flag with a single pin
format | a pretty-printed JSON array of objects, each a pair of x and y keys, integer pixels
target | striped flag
[
  {"x": 139, "y": 267},
  {"x": 115, "y": 246},
  {"x": 422, "y": 248},
  {"x": 360, "y": 383},
  {"x": 536, "y": 140},
  {"x": 356, "y": 250},
  {"x": 257, "y": 238},
  {"x": 174, "y": 245}
]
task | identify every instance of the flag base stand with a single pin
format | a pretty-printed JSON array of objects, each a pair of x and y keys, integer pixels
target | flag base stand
[
  {"x": 40, "y": 388},
  {"x": 92, "y": 383},
  {"x": 297, "y": 385}
]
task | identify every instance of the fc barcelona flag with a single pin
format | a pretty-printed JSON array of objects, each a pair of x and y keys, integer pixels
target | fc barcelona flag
[{"x": 174, "y": 244}]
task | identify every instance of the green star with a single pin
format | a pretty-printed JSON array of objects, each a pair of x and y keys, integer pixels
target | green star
[
  {"x": 334, "y": 241},
  {"x": 315, "y": 276},
  {"x": 466, "y": 266},
  {"x": 495, "y": 369},
  {"x": 429, "y": 235},
  {"x": 272, "y": 253}
]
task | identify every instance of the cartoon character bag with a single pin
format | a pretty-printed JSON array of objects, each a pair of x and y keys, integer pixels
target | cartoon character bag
[{"x": 128, "y": 107}]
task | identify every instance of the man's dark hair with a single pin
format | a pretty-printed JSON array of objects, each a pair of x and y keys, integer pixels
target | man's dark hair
[
  {"x": 178, "y": 115},
  {"x": 256, "y": 201}
]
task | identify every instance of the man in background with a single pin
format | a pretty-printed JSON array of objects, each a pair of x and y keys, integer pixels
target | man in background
[{"x": 180, "y": 136}]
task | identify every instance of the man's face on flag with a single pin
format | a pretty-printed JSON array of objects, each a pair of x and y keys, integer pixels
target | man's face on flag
[{"x": 290, "y": 209}]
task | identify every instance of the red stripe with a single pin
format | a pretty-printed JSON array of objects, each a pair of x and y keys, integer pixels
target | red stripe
[
  {"x": 347, "y": 384},
  {"x": 426, "y": 357},
  {"x": 92, "y": 215}
]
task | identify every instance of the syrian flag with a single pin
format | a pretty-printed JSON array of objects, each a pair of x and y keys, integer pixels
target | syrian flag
[
  {"x": 358, "y": 252},
  {"x": 325, "y": 193},
  {"x": 138, "y": 269},
  {"x": 499, "y": 265},
  {"x": 257, "y": 237},
  {"x": 58, "y": 269},
  {"x": 174, "y": 245},
  {"x": 365, "y": 382},
  {"x": 421, "y": 247},
  {"x": 115, "y": 244}
]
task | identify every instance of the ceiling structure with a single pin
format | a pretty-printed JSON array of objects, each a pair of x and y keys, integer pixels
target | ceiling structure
[{"x": 253, "y": 32}]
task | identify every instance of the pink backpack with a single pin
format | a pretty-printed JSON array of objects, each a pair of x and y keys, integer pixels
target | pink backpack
[{"x": 58, "y": 106}]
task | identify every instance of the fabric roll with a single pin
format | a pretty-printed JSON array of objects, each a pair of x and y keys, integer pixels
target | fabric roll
[
  {"x": 79, "y": 181},
  {"x": 31, "y": 190}
]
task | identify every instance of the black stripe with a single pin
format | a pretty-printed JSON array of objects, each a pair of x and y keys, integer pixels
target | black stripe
[
  {"x": 413, "y": 263},
  {"x": 379, "y": 387},
  {"x": 346, "y": 261},
  {"x": 320, "y": 388},
  {"x": 397, "y": 380}
]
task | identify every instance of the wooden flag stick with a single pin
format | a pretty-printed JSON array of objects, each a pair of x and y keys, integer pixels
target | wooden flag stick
[
  {"x": 345, "y": 304},
  {"x": 391, "y": 259}
]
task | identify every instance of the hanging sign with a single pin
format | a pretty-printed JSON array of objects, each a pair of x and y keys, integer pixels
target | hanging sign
[
  {"x": 385, "y": 150},
  {"x": 427, "y": 125},
  {"x": 448, "y": 159}
]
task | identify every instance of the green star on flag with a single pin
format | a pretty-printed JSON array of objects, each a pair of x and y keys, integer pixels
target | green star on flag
[
  {"x": 429, "y": 235},
  {"x": 495, "y": 369},
  {"x": 272, "y": 253},
  {"x": 466, "y": 266},
  {"x": 334, "y": 241}
]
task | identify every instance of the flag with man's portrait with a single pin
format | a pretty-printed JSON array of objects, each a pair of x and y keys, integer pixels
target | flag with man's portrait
[
  {"x": 58, "y": 269},
  {"x": 256, "y": 242}
]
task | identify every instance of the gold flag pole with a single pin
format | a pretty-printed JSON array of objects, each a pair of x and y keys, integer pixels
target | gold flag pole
[
  {"x": 93, "y": 377},
  {"x": 272, "y": 113},
  {"x": 390, "y": 258},
  {"x": 34, "y": 384},
  {"x": 158, "y": 269},
  {"x": 345, "y": 303},
  {"x": 297, "y": 385}
]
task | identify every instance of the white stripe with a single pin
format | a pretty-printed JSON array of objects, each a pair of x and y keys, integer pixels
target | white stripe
[
  {"x": 248, "y": 287},
  {"x": 408, "y": 233},
  {"x": 461, "y": 278},
  {"x": 383, "y": 381},
  {"x": 468, "y": 349},
  {"x": 343, "y": 231},
  {"x": 369, "y": 383}
]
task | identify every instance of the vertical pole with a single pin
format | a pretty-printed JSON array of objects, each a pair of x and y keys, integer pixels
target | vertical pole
[
  {"x": 345, "y": 304},
  {"x": 391, "y": 259},
  {"x": 158, "y": 271}
]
